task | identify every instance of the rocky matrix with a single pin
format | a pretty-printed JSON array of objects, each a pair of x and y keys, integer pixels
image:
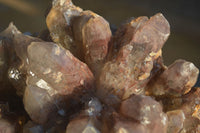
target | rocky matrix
[{"x": 82, "y": 78}]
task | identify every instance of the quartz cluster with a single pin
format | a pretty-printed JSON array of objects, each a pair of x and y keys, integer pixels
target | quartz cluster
[{"x": 88, "y": 79}]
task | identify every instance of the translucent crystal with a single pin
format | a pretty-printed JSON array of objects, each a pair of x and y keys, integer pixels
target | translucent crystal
[{"x": 145, "y": 110}]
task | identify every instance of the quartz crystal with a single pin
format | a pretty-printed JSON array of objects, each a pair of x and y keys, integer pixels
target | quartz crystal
[
  {"x": 84, "y": 33},
  {"x": 177, "y": 79},
  {"x": 138, "y": 47},
  {"x": 175, "y": 121},
  {"x": 59, "y": 68},
  {"x": 145, "y": 110},
  {"x": 79, "y": 77}
]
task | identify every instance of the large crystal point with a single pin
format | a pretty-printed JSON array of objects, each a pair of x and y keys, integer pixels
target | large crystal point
[
  {"x": 59, "y": 22},
  {"x": 59, "y": 68},
  {"x": 177, "y": 79},
  {"x": 53, "y": 73},
  {"x": 15, "y": 52},
  {"x": 84, "y": 33},
  {"x": 92, "y": 32},
  {"x": 129, "y": 70}
]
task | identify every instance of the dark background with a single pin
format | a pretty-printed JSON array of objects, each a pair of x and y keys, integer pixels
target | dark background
[{"x": 183, "y": 16}]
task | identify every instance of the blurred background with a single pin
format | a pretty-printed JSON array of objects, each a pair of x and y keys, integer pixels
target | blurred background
[{"x": 183, "y": 16}]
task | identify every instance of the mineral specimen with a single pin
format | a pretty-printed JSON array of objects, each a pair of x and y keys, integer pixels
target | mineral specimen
[
  {"x": 58, "y": 67},
  {"x": 59, "y": 23},
  {"x": 138, "y": 47},
  {"x": 87, "y": 80},
  {"x": 84, "y": 33}
]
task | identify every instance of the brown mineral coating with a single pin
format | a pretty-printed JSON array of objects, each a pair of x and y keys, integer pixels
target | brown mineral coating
[
  {"x": 128, "y": 73},
  {"x": 93, "y": 33},
  {"x": 59, "y": 23},
  {"x": 145, "y": 110},
  {"x": 59, "y": 68},
  {"x": 175, "y": 121},
  {"x": 176, "y": 80},
  {"x": 82, "y": 125}
]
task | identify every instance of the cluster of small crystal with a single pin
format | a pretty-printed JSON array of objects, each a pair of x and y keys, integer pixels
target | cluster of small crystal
[{"x": 90, "y": 80}]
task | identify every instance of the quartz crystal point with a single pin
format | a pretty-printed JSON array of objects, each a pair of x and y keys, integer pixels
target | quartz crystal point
[
  {"x": 176, "y": 80},
  {"x": 59, "y": 23},
  {"x": 175, "y": 121},
  {"x": 59, "y": 68},
  {"x": 84, "y": 33},
  {"x": 147, "y": 111},
  {"x": 138, "y": 44},
  {"x": 53, "y": 73},
  {"x": 7, "y": 54},
  {"x": 92, "y": 32},
  {"x": 15, "y": 50}
]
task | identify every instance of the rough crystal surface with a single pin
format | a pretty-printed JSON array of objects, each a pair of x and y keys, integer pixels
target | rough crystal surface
[
  {"x": 177, "y": 79},
  {"x": 89, "y": 80},
  {"x": 175, "y": 121},
  {"x": 145, "y": 110},
  {"x": 137, "y": 49},
  {"x": 59, "y": 68}
]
